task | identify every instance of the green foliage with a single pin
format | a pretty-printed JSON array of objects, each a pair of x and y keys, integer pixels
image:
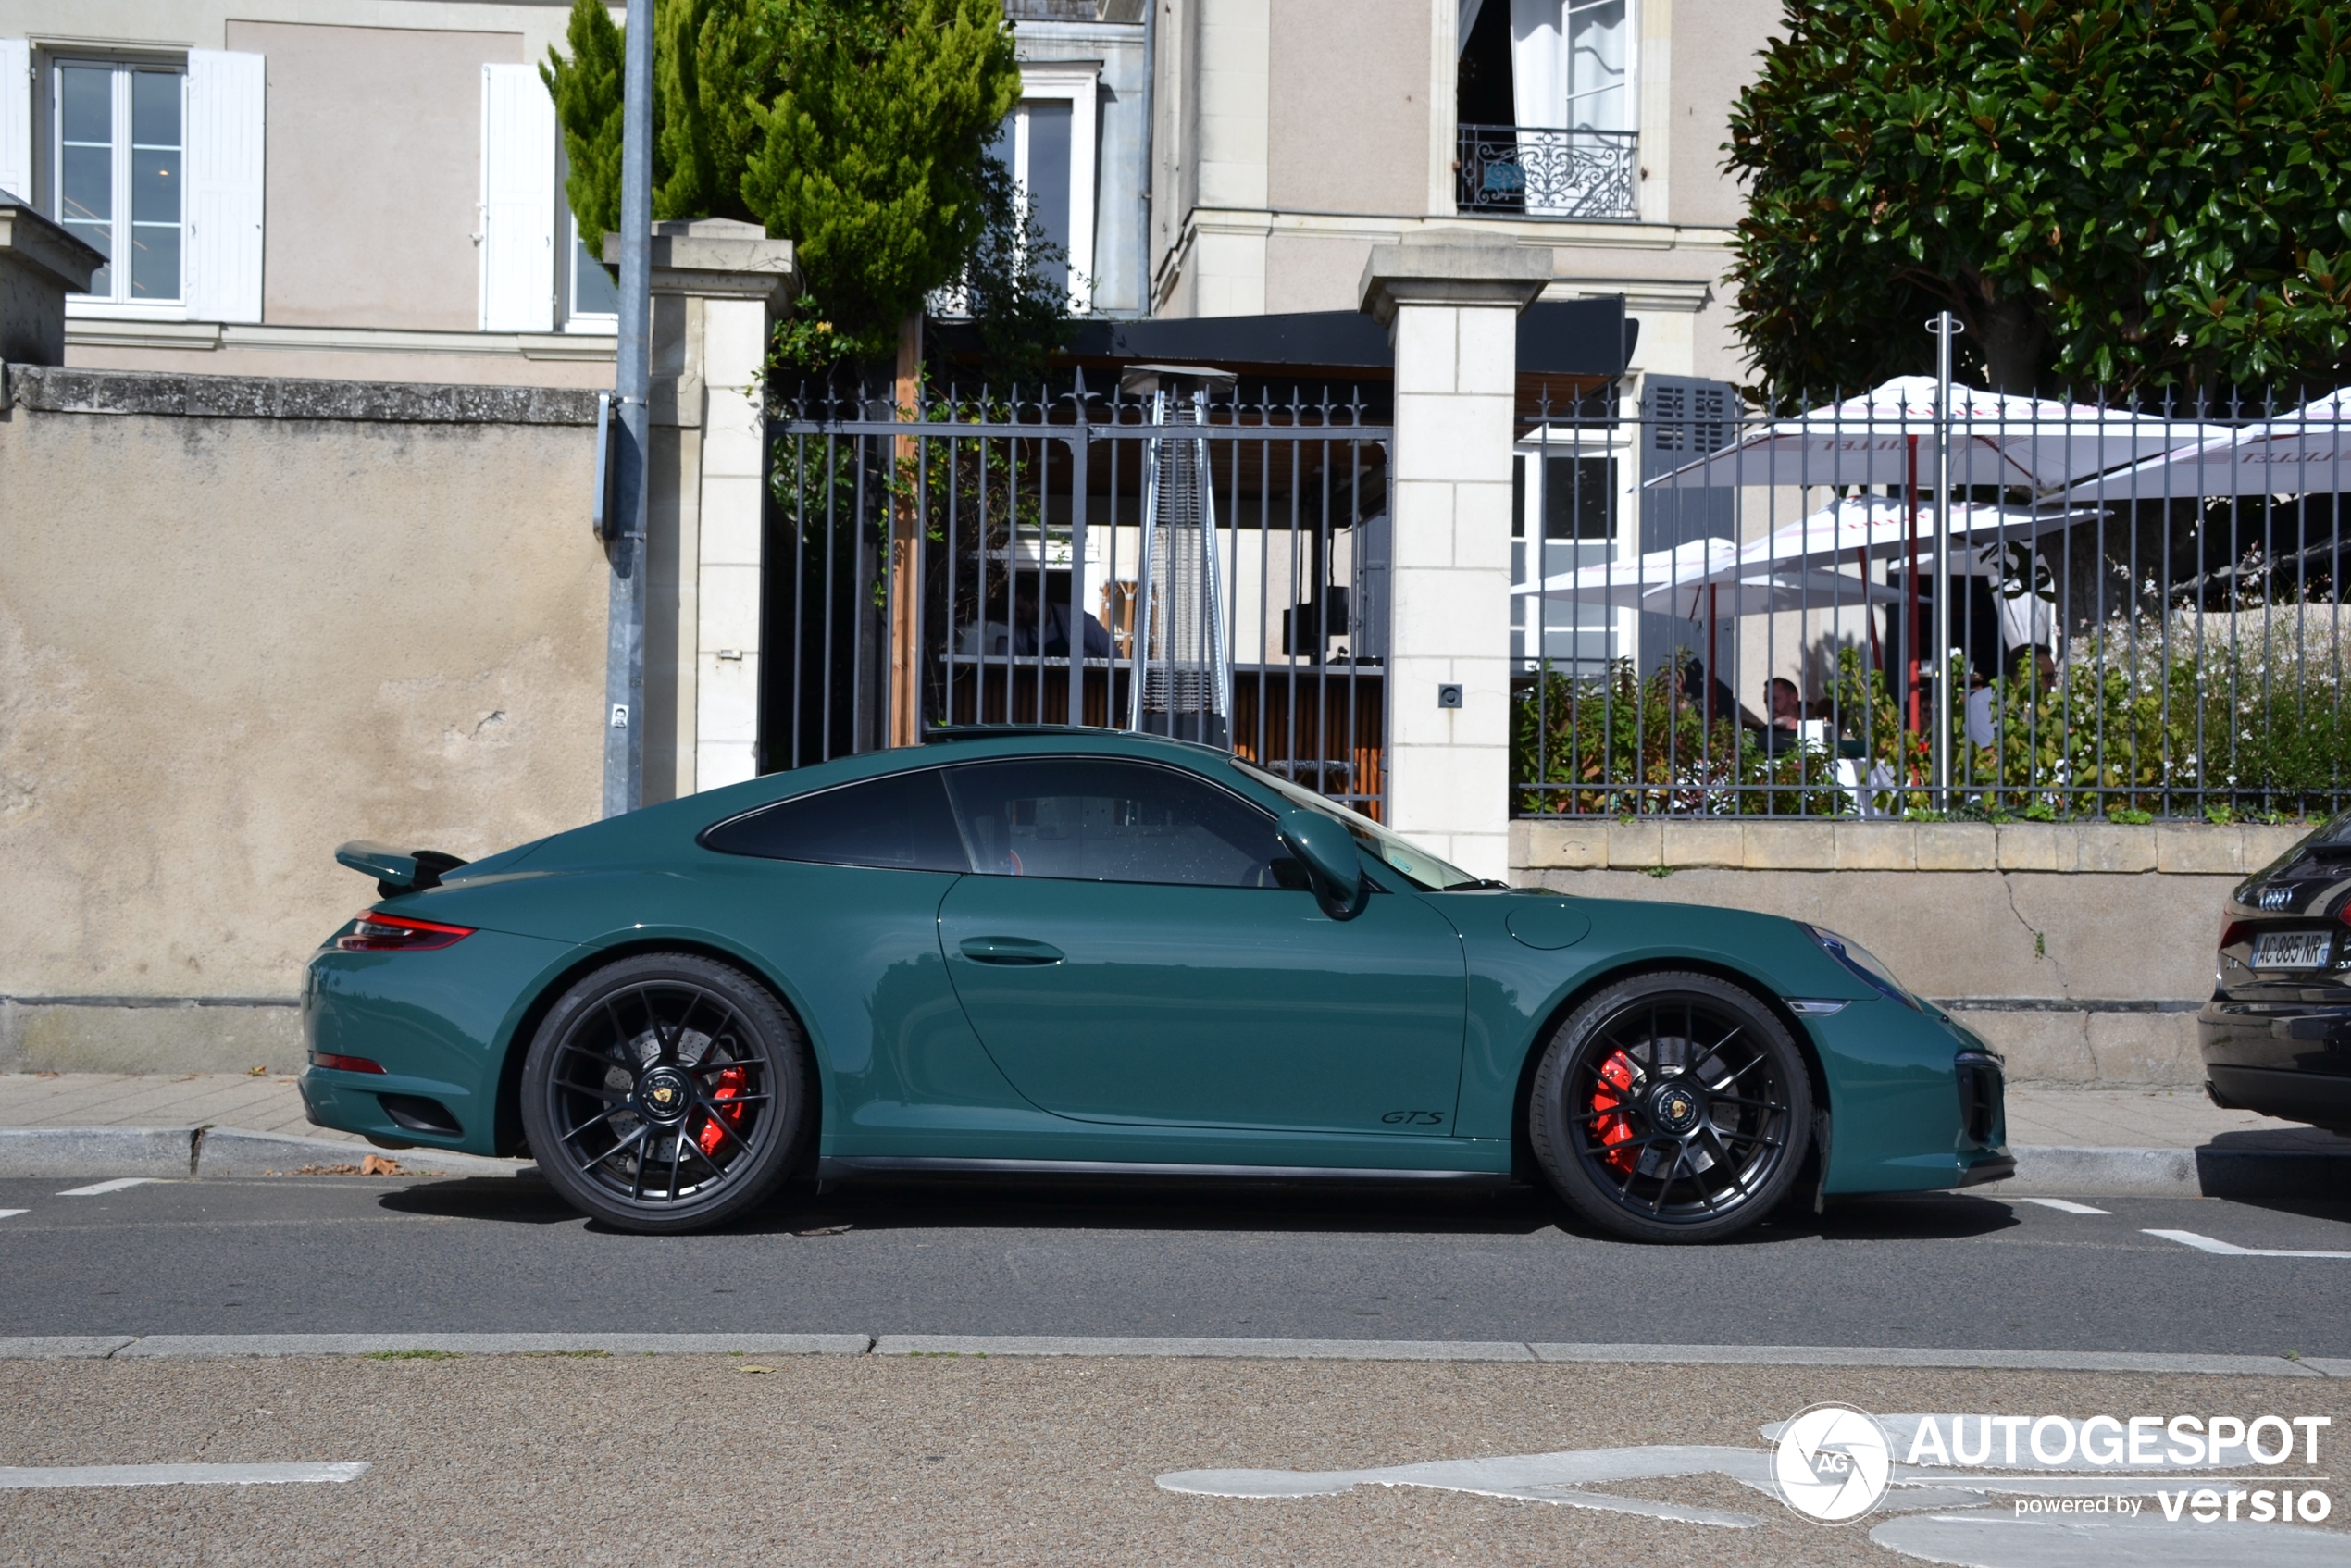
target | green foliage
[
  {"x": 858, "y": 128},
  {"x": 2255, "y": 712},
  {"x": 2125, "y": 195},
  {"x": 1617, "y": 743}
]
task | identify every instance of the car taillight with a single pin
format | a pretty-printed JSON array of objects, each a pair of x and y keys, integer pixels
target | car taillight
[
  {"x": 397, "y": 933},
  {"x": 332, "y": 1062},
  {"x": 2232, "y": 932}
]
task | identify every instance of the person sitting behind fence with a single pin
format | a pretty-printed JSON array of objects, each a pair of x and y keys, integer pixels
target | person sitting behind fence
[
  {"x": 1713, "y": 697},
  {"x": 2028, "y": 670},
  {"x": 1786, "y": 705},
  {"x": 1049, "y": 633}
]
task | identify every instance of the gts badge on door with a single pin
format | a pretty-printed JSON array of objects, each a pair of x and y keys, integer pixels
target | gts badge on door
[{"x": 1414, "y": 1118}]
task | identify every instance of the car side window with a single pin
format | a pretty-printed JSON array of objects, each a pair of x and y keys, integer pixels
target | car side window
[
  {"x": 1095, "y": 820},
  {"x": 899, "y": 822}
]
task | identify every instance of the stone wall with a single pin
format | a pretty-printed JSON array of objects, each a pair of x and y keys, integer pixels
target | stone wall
[
  {"x": 2082, "y": 951},
  {"x": 243, "y": 620}
]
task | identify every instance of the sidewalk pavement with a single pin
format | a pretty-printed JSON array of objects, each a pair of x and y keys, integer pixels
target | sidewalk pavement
[{"x": 2066, "y": 1140}]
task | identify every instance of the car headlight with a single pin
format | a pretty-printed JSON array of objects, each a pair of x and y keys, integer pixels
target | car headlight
[{"x": 1859, "y": 960}]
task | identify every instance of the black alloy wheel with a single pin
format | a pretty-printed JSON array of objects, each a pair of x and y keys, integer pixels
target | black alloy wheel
[
  {"x": 1672, "y": 1107},
  {"x": 665, "y": 1093}
]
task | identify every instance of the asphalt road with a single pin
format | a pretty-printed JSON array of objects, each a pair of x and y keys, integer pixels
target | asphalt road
[
  {"x": 651, "y": 1460},
  {"x": 501, "y": 1254}
]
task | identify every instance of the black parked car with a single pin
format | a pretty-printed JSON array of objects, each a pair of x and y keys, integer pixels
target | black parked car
[{"x": 2277, "y": 1033}]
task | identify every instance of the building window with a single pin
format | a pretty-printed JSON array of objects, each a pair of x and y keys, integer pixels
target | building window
[
  {"x": 119, "y": 137},
  {"x": 1048, "y": 142},
  {"x": 591, "y": 300},
  {"x": 1549, "y": 108}
]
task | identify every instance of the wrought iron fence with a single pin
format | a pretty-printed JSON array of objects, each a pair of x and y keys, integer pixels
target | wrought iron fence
[
  {"x": 1719, "y": 612},
  {"x": 1531, "y": 172},
  {"x": 1171, "y": 557}
]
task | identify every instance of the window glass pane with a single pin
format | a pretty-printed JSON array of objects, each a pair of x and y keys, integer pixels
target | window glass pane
[
  {"x": 154, "y": 261},
  {"x": 154, "y": 108},
  {"x": 592, "y": 291},
  {"x": 1598, "y": 90},
  {"x": 1096, "y": 821},
  {"x": 1579, "y": 498},
  {"x": 1049, "y": 181},
  {"x": 85, "y": 162},
  {"x": 899, "y": 822},
  {"x": 86, "y": 104}
]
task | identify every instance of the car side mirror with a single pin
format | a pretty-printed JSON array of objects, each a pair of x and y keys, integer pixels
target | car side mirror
[{"x": 1328, "y": 850}]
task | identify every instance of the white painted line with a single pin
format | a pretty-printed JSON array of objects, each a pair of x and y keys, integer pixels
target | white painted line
[
  {"x": 2230, "y": 1250},
  {"x": 12, "y": 1213},
  {"x": 177, "y": 1475},
  {"x": 100, "y": 1189},
  {"x": 2065, "y": 1206}
]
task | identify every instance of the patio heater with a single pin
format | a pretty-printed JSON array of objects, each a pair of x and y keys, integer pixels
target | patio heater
[{"x": 1183, "y": 680}]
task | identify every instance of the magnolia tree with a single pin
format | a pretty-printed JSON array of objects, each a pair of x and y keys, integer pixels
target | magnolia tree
[
  {"x": 2124, "y": 194},
  {"x": 858, "y": 128}
]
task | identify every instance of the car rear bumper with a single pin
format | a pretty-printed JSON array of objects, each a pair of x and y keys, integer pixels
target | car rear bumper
[{"x": 2289, "y": 1059}]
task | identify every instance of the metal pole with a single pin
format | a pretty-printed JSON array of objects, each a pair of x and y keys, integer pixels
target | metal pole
[
  {"x": 1944, "y": 326},
  {"x": 632, "y": 384}
]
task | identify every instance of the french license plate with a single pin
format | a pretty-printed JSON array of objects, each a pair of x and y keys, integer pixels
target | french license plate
[{"x": 2291, "y": 949}]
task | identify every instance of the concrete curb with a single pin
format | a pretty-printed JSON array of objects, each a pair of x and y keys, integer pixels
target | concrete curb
[
  {"x": 2213, "y": 1171},
  {"x": 182, "y": 1152},
  {"x": 200, "y": 1346}
]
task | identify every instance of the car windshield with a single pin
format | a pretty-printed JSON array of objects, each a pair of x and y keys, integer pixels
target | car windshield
[{"x": 1408, "y": 860}]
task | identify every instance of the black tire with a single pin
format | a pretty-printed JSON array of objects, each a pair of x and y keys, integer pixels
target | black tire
[
  {"x": 1672, "y": 1107},
  {"x": 666, "y": 1092}
]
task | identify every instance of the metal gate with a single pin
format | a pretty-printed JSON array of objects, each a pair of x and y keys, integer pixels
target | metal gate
[{"x": 1172, "y": 558}]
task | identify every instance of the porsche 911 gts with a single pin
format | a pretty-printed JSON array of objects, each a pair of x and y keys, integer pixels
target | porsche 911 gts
[{"x": 1084, "y": 953}]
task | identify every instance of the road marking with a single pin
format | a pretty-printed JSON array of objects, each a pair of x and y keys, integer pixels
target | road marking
[
  {"x": 2065, "y": 1205},
  {"x": 12, "y": 1213},
  {"x": 2230, "y": 1250},
  {"x": 100, "y": 1189},
  {"x": 177, "y": 1475}
]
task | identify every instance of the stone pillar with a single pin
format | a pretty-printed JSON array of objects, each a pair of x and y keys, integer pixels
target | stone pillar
[
  {"x": 39, "y": 263},
  {"x": 1451, "y": 300},
  {"x": 719, "y": 288}
]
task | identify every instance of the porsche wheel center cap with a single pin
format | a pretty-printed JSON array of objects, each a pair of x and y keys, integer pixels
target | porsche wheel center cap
[
  {"x": 1675, "y": 1108},
  {"x": 663, "y": 1094}
]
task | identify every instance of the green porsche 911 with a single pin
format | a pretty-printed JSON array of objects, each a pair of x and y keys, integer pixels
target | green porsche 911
[{"x": 1079, "y": 952}]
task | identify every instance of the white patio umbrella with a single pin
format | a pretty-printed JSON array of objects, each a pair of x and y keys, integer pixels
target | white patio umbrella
[
  {"x": 1623, "y": 583},
  {"x": 1888, "y": 437},
  {"x": 1879, "y": 527},
  {"x": 2304, "y": 453}
]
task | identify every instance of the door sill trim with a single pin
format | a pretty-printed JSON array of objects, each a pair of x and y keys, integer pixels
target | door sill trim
[{"x": 843, "y": 1167}]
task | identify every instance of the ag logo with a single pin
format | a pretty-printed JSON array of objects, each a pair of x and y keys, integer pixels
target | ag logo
[{"x": 1831, "y": 1463}]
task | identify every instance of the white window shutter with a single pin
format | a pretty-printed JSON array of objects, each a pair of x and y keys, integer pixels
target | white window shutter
[
  {"x": 223, "y": 278},
  {"x": 15, "y": 118},
  {"x": 517, "y": 201}
]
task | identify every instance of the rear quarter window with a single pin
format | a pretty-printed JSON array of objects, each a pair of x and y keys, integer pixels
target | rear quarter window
[{"x": 898, "y": 822}]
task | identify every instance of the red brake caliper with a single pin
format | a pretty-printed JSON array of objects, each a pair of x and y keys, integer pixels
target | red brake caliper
[
  {"x": 1616, "y": 1083},
  {"x": 730, "y": 1086}
]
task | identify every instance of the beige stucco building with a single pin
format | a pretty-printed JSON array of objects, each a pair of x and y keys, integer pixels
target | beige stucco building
[
  {"x": 360, "y": 188},
  {"x": 1291, "y": 136}
]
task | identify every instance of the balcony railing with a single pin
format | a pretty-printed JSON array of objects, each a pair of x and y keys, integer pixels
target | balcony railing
[{"x": 1528, "y": 171}]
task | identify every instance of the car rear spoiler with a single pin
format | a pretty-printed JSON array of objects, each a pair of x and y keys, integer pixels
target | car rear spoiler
[{"x": 397, "y": 871}]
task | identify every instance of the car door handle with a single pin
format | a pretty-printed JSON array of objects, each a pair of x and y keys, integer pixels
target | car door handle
[{"x": 1009, "y": 950}]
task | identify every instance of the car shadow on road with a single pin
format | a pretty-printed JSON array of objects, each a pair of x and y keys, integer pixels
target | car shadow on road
[{"x": 936, "y": 1203}]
